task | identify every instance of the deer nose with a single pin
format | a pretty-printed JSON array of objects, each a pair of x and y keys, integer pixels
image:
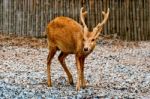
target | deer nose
[{"x": 85, "y": 49}]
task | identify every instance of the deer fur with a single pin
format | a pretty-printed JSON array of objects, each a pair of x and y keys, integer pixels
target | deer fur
[{"x": 68, "y": 36}]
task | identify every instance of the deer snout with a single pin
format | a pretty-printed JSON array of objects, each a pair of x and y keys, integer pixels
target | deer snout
[{"x": 86, "y": 49}]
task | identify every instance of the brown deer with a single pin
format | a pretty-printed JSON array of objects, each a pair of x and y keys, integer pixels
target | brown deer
[{"x": 68, "y": 36}]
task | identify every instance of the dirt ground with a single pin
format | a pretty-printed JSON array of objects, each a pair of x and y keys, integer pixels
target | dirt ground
[{"x": 115, "y": 69}]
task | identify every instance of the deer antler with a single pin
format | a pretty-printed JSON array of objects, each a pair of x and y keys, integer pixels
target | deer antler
[
  {"x": 82, "y": 14},
  {"x": 106, "y": 15},
  {"x": 98, "y": 28}
]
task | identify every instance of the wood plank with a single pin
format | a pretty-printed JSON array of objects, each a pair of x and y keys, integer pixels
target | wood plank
[
  {"x": 17, "y": 17},
  {"x": 139, "y": 22},
  {"x": 148, "y": 20},
  {"x": 134, "y": 19},
  {"x": 78, "y": 10},
  {"x": 30, "y": 23},
  {"x": 110, "y": 17},
  {"x": 117, "y": 16},
  {"x": 122, "y": 23},
  {"x": 104, "y": 9},
  {"x": 120, "y": 19},
  {"x": 5, "y": 16},
  {"x": 145, "y": 19},
  {"x": 113, "y": 17},
  {"x": 107, "y": 23},
  {"x": 28, "y": 17},
  {"x": 128, "y": 21},
  {"x": 23, "y": 18},
  {"x": 9, "y": 17},
  {"x": 142, "y": 18},
  {"x": 92, "y": 17},
  {"x": 21, "y": 21},
  {"x": 1, "y": 16},
  {"x": 12, "y": 17}
]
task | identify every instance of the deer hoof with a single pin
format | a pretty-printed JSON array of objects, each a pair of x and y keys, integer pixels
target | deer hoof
[
  {"x": 49, "y": 84},
  {"x": 71, "y": 83},
  {"x": 84, "y": 84},
  {"x": 77, "y": 88}
]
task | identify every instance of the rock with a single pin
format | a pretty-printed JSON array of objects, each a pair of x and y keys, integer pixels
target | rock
[{"x": 6, "y": 80}]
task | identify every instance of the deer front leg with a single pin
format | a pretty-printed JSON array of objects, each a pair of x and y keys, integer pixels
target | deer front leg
[
  {"x": 80, "y": 72},
  {"x": 83, "y": 81},
  {"x": 51, "y": 54},
  {"x": 61, "y": 59}
]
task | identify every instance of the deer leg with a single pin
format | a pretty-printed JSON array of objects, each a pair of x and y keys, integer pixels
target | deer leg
[
  {"x": 83, "y": 83},
  {"x": 61, "y": 59},
  {"x": 80, "y": 72},
  {"x": 52, "y": 51}
]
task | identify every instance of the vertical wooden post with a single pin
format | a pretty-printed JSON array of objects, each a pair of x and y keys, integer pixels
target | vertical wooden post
[
  {"x": 148, "y": 20},
  {"x": 134, "y": 20},
  {"x": 91, "y": 16},
  {"x": 127, "y": 20}
]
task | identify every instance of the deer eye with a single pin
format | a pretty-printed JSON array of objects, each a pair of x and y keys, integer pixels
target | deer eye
[{"x": 93, "y": 40}]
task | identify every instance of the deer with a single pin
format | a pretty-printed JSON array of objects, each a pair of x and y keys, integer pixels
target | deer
[{"x": 66, "y": 35}]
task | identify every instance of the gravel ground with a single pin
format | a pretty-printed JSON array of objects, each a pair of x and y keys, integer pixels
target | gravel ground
[{"x": 111, "y": 72}]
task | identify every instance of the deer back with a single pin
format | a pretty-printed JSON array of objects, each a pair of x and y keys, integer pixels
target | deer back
[{"x": 65, "y": 34}]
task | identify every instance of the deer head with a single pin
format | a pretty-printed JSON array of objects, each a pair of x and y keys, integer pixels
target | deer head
[{"x": 89, "y": 38}]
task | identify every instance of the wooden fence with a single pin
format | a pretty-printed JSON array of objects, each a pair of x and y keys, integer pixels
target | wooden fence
[{"x": 129, "y": 19}]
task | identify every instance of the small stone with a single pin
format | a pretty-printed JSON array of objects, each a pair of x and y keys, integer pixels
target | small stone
[
  {"x": 6, "y": 80},
  {"x": 28, "y": 86}
]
